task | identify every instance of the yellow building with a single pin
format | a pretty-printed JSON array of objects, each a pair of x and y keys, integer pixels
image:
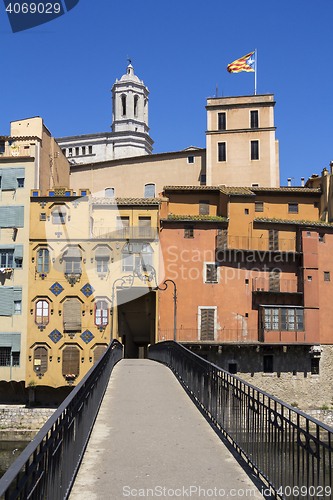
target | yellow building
[
  {"x": 88, "y": 254},
  {"x": 29, "y": 158}
]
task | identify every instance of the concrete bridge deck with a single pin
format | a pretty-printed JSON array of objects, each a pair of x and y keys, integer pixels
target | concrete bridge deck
[{"x": 150, "y": 441}]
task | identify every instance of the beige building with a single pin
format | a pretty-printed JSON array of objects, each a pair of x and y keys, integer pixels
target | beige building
[
  {"x": 240, "y": 141},
  {"x": 29, "y": 158}
]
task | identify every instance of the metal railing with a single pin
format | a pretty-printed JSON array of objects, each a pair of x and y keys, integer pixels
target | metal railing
[
  {"x": 46, "y": 469},
  {"x": 291, "y": 451}
]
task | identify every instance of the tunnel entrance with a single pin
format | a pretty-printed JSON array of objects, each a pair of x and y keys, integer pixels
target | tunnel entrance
[{"x": 136, "y": 321}]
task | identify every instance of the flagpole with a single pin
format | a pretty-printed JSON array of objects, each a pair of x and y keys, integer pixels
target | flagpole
[{"x": 255, "y": 73}]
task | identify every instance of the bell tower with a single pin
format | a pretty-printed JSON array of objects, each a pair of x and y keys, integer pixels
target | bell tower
[{"x": 130, "y": 131}]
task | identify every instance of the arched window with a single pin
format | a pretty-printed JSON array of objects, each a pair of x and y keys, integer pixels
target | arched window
[
  {"x": 42, "y": 312},
  {"x": 136, "y": 99},
  {"x": 149, "y": 191},
  {"x": 101, "y": 313},
  {"x": 123, "y": 105},
  {"x": 43, "y": 259},
  {"x": 109, "y": 192},
  {"x": 40, "y": 360}
]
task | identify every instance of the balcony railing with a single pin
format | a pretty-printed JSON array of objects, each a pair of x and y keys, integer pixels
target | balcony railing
[
  {"x": 224, "y": 335},
  {"x": 14, "y": 151},
  {"x": 125, "y": 233},
  {"x": 276, "y": 285},
  {"x": 224, "y": 242}
]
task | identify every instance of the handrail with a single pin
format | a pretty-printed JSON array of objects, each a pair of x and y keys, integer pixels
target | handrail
[
  {"x": 291, "y": 451},
  {"x": 46, "y": 469}
]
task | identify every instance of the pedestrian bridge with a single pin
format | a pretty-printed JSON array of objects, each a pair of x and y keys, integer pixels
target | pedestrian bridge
[{"x": 172, "y": 426}]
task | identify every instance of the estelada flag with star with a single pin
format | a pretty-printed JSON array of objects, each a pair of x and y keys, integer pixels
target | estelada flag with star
[{"x": 245, "y": 63}]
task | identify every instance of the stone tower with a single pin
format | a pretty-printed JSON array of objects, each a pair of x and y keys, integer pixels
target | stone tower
[{"x": 130, "y": 131}]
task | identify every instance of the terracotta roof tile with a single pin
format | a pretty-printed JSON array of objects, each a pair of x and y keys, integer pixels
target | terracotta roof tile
[
  {"x": 317, "y": 223},
  {"x": 205, "y": 218},
  {"x": 126, "y": 201}
]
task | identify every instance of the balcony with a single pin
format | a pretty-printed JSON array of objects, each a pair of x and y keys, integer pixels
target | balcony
[
  {"x": 277, "y": 285},
  {"x": 14, "y": 151},
  {"x": 192, "y": 335},
  {"x": 249, "y": 243},
  {"x": 125, "y": 233}
]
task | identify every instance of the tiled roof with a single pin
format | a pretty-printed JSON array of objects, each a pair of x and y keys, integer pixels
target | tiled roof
[
  {"x": 126, "y": 201},
  {"x": 236, "y": 191},
  {"x": 317, "y": 223},
  {"x": 243, "y": 190},
  {"x": 191, "y": 188},
  {"x": 286, "y": 189},
  {"x": 204, "y": 218}
]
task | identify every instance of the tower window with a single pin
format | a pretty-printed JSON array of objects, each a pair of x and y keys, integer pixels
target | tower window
[
  {"x": 136, "y": 99},
  {"x": 77, "y": 151},
  {"x": 83, "y": 150},
  {"x": 222, "y": 151},
  {"x": 254, "y": 119},
  {"x": 222, "y": 125},
  {"x": 90, "y": 150},
  {"x": 190, "y": 159},
  {"x": 123, "y": 105},
  {"x": 254, "y": 150}
]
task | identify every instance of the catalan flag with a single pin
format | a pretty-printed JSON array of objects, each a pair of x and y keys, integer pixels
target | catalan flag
[{"x": 245, "y": 63}]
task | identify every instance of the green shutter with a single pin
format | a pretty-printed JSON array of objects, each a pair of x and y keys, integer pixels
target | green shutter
[
  {"x": 7, "y": 300},
  {"x": 12, "y": 216},
  {"x": 12, "y": 340},
  {"x": 17, "y": 293},
  {"x": 9, "y": 177}
]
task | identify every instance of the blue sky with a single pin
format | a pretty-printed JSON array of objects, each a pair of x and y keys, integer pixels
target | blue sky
[{"x": 64, "y": 70}]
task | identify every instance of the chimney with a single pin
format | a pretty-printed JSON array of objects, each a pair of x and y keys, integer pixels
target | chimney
[
  {"x": 302, "y": 181},
  {"x": 289, "y": 182},
  {"x": 324, "y": 172},
  {"x": 331, "y": 165}
]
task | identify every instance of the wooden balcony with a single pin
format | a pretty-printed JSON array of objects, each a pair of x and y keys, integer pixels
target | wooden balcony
[
  {"x": 277, "y": 285},
  {"x": 248, "y": 243}
]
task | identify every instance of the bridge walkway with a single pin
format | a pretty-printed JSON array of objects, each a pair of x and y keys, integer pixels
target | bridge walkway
[{"x": 150, "y": 441}]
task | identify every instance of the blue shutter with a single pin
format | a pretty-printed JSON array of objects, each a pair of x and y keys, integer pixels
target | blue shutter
[
  {"x": 12, "y": 216},
  {"x": 12, "y": 340},
  {"x": 7, "y": 300},
  {"x": 149, "y": 190},
  {"x": 17, "y": 293},
  {"x": 9, "y": 177}
]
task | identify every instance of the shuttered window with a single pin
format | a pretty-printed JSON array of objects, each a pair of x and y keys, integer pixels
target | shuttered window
[
  {"x": 10, "y": 177},
  {"x": 71, "y": 361},
  {"x": 204, "y": 207},
  {"x": 10, "y": 346},
  {"x": 222, "y": 238},
  {"x": 8, "y": 296},
  {"x": 211, "y": 273},
  {"x": 72, "y": 258},
  {"x": 149, "y": 190},
  {"x": 109, "y": 193},
  {"x": 274, "y": 281},
  {"x": 207, "y": 324},
  {"x": 144, "y": 227},
  {"x": 40, "y": 360},
  {"x": 102, "y": 257},
  {"x": 122, "y": 226},
  {"x": 189, "y": 232},
  {"x": 98, "y": 352},
  {"x": 12, "y": 216},
  {"x": 11, "y": 256},
  {"x": 273, "y": 239},
  {"x": 72, "y": 315}
]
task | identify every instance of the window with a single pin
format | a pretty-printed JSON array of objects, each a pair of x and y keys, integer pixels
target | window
[
  {"x": 72, "y": 315},
  {"x": 5, "y": 355},
  {"x": 255, "y": 185},
  {"x": 59, "y": 216},
  {"x": 42, "y": 216},
  {"x": 101, "y": 313},
  {"x": 42, "y": 312},
  {"x": 122, "y": 226},
  {"x": 123, "y": 105},
  {"x": 20, "y": 182},
  {"x": 254, "y": 119},
  {"x": 17, "y": 306},
  {"x": 222, "y": 151},
  {"x": 40, "y": 360},
  {"x": 77, "y": 151},
  {"x": 98, "y": 351},
  {"x": 64, "y": 151},
  {"x": 211, "y": 273},
  {"x": 70, "y": 151},
  {"x": 144, "y": 227},
  {"x": 90, "y": 150},
  {"x": 283, "y": 318},
  {"x": 221, "y": 121},
  {"x": 293, "y": 208},
  {"x": 321, "y": 238},
  {"x": 327, "y": 276},
  {"x": 254, "y": 150},
  {"x": 83, "y": 150},
  {"x": 246, "y": 211},
  {"x": 188, "y": 232},
  {"x": 190, "y": 159},
  {"x": 203, "y": 178},
  {"x": 207, "y": 324},
  {"x": 273, "y": 239},
  {"x": 232, "y": 368},
  {"x": 12, "y": 177},
  {"x": 109, "y": 192},
  {"x": 70, "y": 361},
  {"x": 315, "y": 366},
  {"x": 149, "y": 191},
  {"x": 137, "y": 256},
  {"x": 204, "y": 207},
  {"x": 102, "y": 257},
  {"x": 268, "y": 363},
  {"x": 7, "y": 259},
  {"x": 222, "y": 238},
  {"x": 2, "y": 147},
  {"x": 259, "y": 206},
  {"x": 43, "y": 259},
  {"x": 0, "y": 181},
  {"x": 274, "y": 280},
  {"x": 136, "y": 99}
]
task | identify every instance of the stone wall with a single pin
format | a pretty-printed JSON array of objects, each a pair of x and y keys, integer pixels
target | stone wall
[
  {"x": 16, "y": 417},
  {"x": 291, "y": 379}
]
